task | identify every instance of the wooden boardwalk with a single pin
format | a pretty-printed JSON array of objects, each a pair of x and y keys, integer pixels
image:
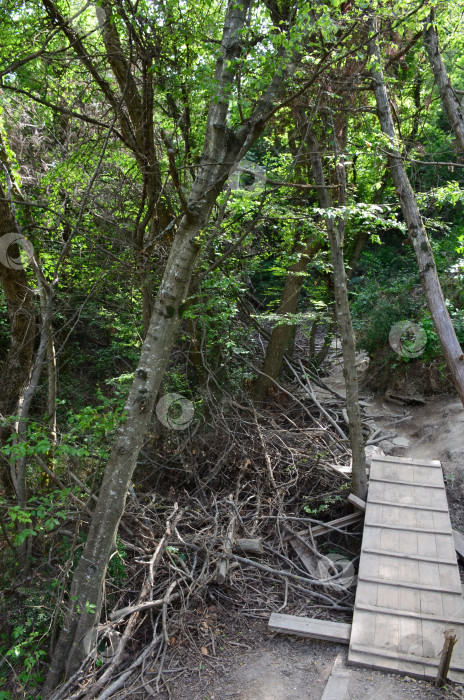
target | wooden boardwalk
[{"x": 409, "y": 590}]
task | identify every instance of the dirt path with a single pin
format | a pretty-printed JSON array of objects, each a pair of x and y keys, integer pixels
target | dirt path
[{"x": 275, "y": 667}]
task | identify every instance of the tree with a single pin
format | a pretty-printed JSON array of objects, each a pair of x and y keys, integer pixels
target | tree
[
  {"x": 335, "y": 225},
  {"x": 133, "y": 108},
  {"x": 416, "y": 230},
  {"x": 223, "y": 148},
  {"x": 449, "y": 98}
]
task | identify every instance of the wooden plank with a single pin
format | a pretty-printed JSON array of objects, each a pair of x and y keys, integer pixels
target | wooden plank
[
  {"x": 396, "y": 654},
  {"x": 411, "y": 529},
  {"x": 458, "y": 543},
  {"x": 431, "y": 661},
  {"x": 340, "y": 523},
  {"x": 358, "y": 503},
  {"x": 406, "y": 584},
  {"x": 308, "y": 559},
  {"x": 339, "y": 632},
  {"x": 338, "y": 681},
  {"x": 379, "y": 611},
  {"x": 412, "y": 506},
  {"x": 419, "y": 557},
  {"x": 409, "y": 588},
  {"x": 405, "y": 483},
  {"x": 406, "y": 460}
]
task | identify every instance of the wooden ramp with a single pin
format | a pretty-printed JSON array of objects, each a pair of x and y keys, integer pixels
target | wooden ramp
[{"x": 409, "y": 590}]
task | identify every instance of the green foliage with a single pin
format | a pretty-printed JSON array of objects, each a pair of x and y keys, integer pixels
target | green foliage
[
  {"x": 380, "y": 303},
  {"x": 117, "y": 567},
  {"x": 42, "y": 515},
  {"x": 24, "y": 643}
]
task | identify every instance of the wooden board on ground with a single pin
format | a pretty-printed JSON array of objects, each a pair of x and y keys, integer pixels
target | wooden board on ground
[
  {"x": 358, "y": 503},
  {"x": 309, "y": 627},
  {"x": 339, "y": 523},
  {"x": 308, "y": 559},
  {"x": 409, "y": 589}
]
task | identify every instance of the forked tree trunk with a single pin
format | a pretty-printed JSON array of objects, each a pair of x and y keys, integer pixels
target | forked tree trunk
[
  {"x": 223, "y": 149},
  {"x": 336, "y": 233},
  {"x": 450, "y": 100},
  {"x": 417, "y": 234},
  {"x": 282, "y": 334}
]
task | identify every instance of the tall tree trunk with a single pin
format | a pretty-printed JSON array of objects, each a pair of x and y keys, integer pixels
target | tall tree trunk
[
  {"x": 282, "y": 334},
  {"x": 336, "y": 233},
  {"x": 17, "y": 365},
  {"x": 417, "y": 234},
  {"x": 45, "y": 291},
  {"x": 449, "y": 99},
  {"x": 223, "y": 149}
]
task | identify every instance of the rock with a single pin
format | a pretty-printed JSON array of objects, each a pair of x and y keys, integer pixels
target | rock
[
  {"x": 388, "y": 447},
  {"x": 372, "y": 450},
  {"x": 401, "y": 441}
]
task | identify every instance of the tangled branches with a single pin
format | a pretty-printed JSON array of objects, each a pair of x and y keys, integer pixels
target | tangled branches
[{"x": 212, "y": 533}]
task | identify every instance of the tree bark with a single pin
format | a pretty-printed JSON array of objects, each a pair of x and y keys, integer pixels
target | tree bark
[
  {"x": 282, "y": 334},
  {"x": 449, "y": 99},
  {"x": 44, "y": 292},
  {"x": 417, "y": 234},
  {"x": 17, "y": 365},
  {"x": 222, "y": 150},
  {"x": 336, "y": 233}
]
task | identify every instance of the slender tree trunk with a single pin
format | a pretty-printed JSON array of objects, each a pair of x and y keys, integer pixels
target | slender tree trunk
[
  {"x": 282, "y": 334},
  {"x": 44, "y": 292},
  {"x": 336, "y": 234},
  {"x": 450, "y": 100},
  {"x": 77, "y": 636},
  {"x": 18, "y": 467},
  {"x": 417, "y": 234},
  {"x": 17, "y": 365},
  {"x": 223, "y": 149}
]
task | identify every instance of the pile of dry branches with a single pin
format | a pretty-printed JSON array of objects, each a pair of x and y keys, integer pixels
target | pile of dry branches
[{"x": 227, "y": 516}]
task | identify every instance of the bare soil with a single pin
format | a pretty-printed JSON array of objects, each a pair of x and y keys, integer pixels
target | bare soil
[{"x": 254, "y": 664}]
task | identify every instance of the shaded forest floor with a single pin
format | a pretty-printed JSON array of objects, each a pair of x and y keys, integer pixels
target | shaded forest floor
[
  {"x": 274, "y": 667},
  {"x": 261, "y": 474}
]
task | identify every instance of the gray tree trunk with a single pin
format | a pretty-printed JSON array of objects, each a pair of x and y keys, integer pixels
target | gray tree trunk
[
  {"x": 336, "y": 233},
  {"x": 450, "y": 100},
  {"x": 417, "y": 234},
  {"x": 223, "y": 149}
]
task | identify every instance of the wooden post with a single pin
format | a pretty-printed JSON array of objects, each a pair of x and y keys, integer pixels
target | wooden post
[{"x": 443, "y": 667}]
